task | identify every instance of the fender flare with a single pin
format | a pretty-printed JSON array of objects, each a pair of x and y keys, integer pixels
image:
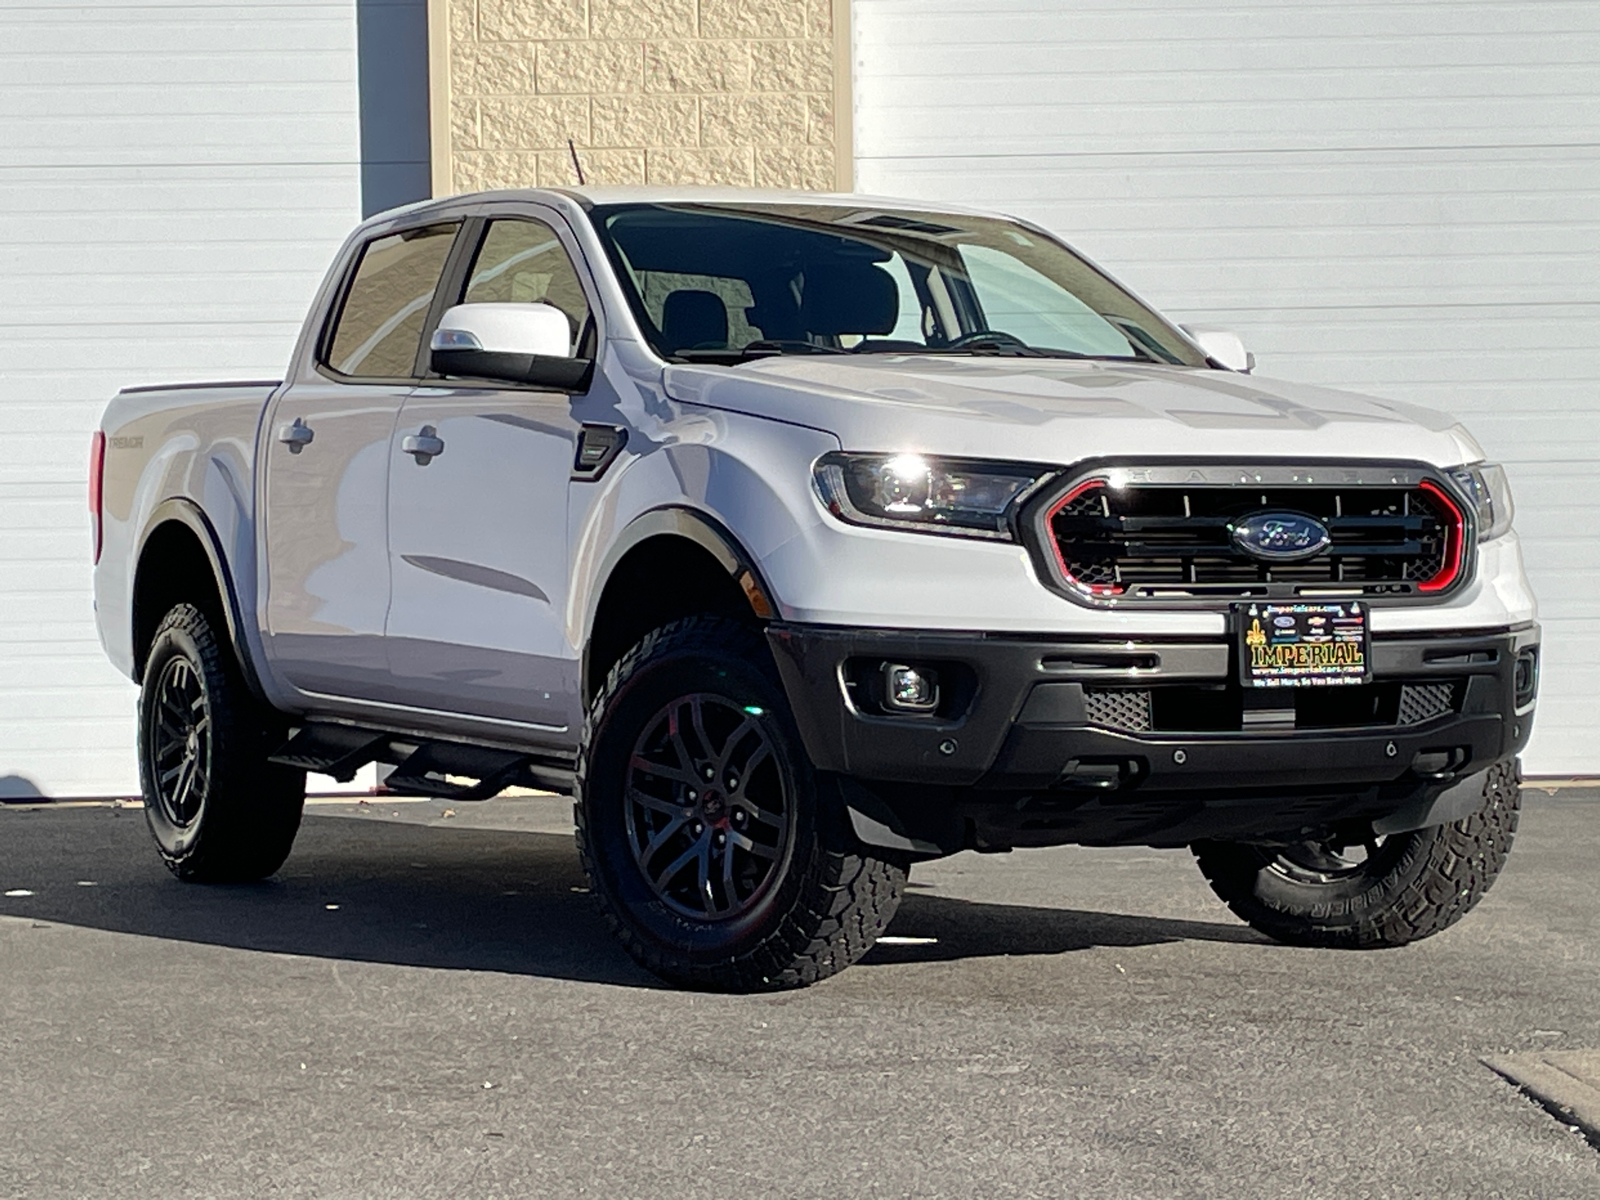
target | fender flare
[
  {"x": 185, "y": 512},
  {"x": 705, "y": 531}
]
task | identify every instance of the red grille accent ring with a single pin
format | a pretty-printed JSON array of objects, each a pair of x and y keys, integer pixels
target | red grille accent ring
[
  {"x": 1169, "y": 539},
  {"x": 1077, "y": 493},
  {"x": 1455, "y": 543}
]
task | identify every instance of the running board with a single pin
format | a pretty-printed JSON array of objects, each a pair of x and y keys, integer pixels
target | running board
[
  {"x": 423, "y": 767},
  {"x": 337, "y": 750}
]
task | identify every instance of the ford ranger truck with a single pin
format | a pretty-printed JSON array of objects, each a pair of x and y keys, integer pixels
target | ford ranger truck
[{"x": 802, "y": 538}]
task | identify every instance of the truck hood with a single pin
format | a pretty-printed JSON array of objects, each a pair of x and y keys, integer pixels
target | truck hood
[{"x": 1066, "y": 410}]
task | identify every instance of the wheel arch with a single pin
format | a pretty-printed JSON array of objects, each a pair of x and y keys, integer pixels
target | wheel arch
[
  {"x": 180, "y": 559},
  {"x": 667, "y": 563}
]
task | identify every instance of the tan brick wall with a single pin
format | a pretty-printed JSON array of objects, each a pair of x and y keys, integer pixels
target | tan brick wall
[{"x": 740, "y": 92}]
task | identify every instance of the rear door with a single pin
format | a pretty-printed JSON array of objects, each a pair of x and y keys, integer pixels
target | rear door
[
  {"x": 478, "y": 532},
  {"x": 327, "y": 472}
]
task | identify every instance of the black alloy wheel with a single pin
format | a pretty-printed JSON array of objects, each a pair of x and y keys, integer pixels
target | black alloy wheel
[
  {"x": 180, "y": 747},
  {"x": 719, "y": 855},
  {"x": 1330, "y": 859},
  {"x": 709, "y": 817}
]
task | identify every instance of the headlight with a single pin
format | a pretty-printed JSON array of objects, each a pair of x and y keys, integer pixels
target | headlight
[
  {"x": 1485, "y": 484},
  {"x": 951, "y": 496}
]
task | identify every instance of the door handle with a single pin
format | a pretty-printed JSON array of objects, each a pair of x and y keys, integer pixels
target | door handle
[
  {"x": 297, "y": 436},
  {"x": 425, "y": 445}
]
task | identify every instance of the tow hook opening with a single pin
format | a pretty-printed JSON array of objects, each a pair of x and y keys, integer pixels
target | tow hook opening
[
  {"x": 1440, "y": 764},
  {"x": 1099, "y": 774},
  {"x": 1525, "y": 680}
]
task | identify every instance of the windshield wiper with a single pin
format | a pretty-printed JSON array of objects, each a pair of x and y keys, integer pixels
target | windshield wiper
[
  {"x": 761, "y": 348},
  {"x": 1014, "y": 350},
  {"x": 1144, "y": 347},
  {"x": 995, "y": 349},
  {"x": 1007, "y": 350},
  {"x": 776, "y": 347}
]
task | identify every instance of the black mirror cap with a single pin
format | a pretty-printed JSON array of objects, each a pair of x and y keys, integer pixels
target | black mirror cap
[{"x": 539, "y": 370}]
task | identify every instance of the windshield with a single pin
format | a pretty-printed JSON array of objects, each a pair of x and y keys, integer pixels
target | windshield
[{"x": 724, "y": 283}]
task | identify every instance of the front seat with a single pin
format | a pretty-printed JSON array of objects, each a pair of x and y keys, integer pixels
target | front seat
[
  {"x": 855, "y": 298},
  {"x": 693, "y": 320}
]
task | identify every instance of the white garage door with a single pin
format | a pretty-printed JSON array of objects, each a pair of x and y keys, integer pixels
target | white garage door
[
  {"x": 173, "y": 181},
  {"x": 1399, "y": 198}
]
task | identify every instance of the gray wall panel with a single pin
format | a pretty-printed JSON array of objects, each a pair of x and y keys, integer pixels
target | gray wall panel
[{"x": 174, "y": 178}]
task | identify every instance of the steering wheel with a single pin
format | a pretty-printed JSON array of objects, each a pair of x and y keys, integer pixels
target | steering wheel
[{"x": 981, "y": 336}]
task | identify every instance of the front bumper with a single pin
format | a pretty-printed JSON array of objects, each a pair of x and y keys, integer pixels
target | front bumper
[{"x": 1043, "y": 741}]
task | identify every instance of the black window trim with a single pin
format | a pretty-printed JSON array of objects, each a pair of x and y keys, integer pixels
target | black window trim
[{"x": 452, "y": 281}]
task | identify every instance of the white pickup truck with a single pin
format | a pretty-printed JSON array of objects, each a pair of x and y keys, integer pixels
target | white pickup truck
[{"x": 801, "y": 538}]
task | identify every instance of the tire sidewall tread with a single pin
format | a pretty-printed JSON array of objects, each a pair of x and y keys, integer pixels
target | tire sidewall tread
[
  {"x": 251, "y": 809},
  {"x": 1434, "y": 878}
]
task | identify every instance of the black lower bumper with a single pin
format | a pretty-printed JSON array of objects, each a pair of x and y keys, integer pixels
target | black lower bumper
[{"x": 1045, "y": 741}]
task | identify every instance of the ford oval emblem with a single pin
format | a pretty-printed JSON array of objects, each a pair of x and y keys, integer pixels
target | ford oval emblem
[{"x": 1280, "y": 536}]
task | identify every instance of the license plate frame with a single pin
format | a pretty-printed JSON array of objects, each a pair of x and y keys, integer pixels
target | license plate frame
[{"x": 1303, "y": 643}]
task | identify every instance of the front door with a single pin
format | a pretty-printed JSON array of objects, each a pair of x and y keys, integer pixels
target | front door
[
  {"x": 478, "y": 554},
  {"x": 327, "y": 466},
  {"x": 478, "y": 531}
]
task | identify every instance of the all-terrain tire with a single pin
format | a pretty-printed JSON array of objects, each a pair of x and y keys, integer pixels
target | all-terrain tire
[
  {"x": 804, "y": 898},
  {"x": 218, "y": 810},
  {"x": 1412, "y": 886}
]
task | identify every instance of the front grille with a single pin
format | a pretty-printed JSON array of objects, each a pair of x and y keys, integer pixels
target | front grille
[
  {"x": 1210, "y": 708},
  {"x": 1421, "y": 702},
  {"x": 1137, "y": 541},
  {"x": 1120, "y": 709}
]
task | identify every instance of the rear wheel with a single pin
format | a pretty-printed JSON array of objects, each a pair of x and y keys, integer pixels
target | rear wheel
[
  {"x": 1368, "y": 892},
  {"x": 219, "y": 811},
  {"x": 720, "y": 856}
]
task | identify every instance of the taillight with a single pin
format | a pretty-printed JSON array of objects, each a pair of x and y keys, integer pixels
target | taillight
[{"x": 97, "y": 472}]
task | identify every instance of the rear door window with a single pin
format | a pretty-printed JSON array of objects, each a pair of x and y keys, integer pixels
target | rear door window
[{"x": 379, "y": 330}]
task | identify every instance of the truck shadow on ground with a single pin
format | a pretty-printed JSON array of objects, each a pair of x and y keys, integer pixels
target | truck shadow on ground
[{"x": 370, "y": 890}]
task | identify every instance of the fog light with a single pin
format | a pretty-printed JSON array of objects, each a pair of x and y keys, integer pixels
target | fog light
[{"x": 909, "y": 689}]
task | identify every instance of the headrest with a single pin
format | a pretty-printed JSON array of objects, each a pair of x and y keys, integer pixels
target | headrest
[
  {"x": 693, "y": 319},
  {"x": 853, "y": 298}
]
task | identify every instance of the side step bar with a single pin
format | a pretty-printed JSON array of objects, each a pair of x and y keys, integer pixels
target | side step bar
[
  {"x": 422, "y": 767},
  {"x": 423, "y": 772}
]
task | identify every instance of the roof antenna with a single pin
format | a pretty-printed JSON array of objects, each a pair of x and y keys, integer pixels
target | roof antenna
[{"x": 576, "y": 165}]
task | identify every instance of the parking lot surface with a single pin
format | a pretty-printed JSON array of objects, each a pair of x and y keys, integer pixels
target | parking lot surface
[{"x": 424, "y": 1004}]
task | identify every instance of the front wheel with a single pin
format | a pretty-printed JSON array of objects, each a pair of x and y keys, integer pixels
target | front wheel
[
  {"x": 720, "y": 856},
  {"x": 1367, "y": 893},
  {"x": 219, "y": 811}
]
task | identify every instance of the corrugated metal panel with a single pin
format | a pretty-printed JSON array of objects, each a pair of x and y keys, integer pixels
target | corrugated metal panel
[
  {"x": 173, "y": 181},
  {"x": 1399, "y": 198}
]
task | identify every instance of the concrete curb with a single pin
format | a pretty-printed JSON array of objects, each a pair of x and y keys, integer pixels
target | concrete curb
[{"x": 1566, "y": 1083}]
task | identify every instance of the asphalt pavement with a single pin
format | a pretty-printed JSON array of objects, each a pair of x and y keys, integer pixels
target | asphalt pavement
[{"x": 424, "y": 1004}]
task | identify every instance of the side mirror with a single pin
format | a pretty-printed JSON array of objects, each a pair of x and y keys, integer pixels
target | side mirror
[
  {"x": 1222, "y": 346},
  {"x": 514, "y": 343}
]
